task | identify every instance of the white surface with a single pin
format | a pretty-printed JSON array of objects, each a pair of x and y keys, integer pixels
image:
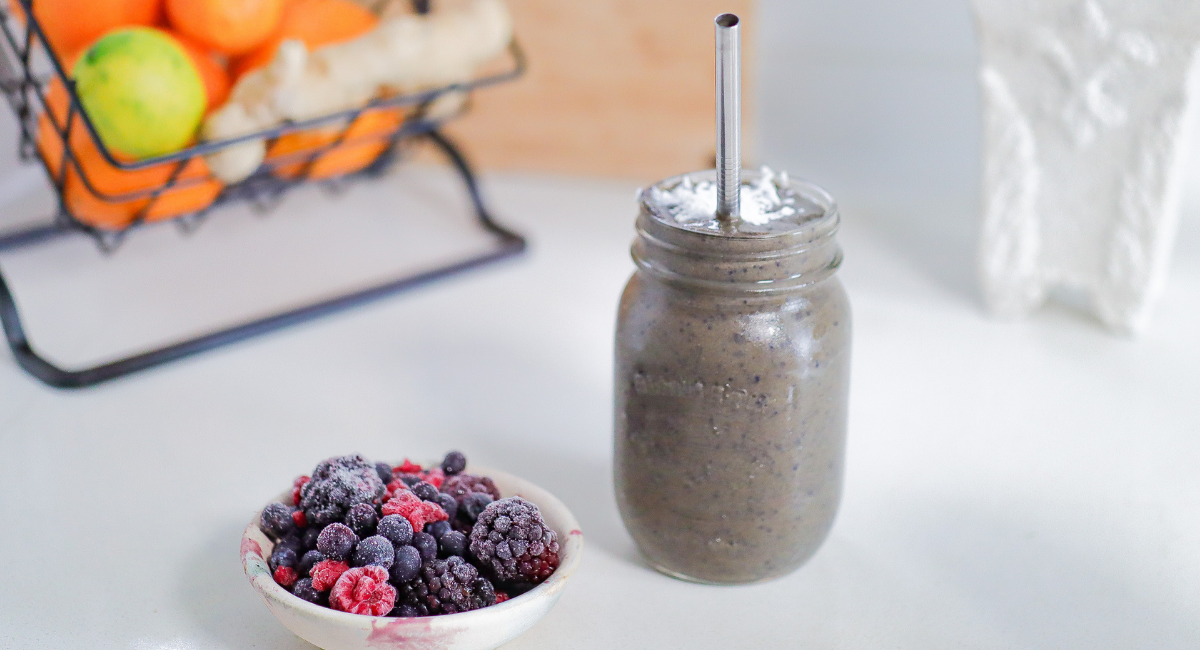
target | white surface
[{"x": 1029, "y": 485}]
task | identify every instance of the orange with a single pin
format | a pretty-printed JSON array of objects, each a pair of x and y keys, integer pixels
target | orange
[
  {"x": 212, "y": 73},
  {"x": 316, "y": 23},
  {"x": 196, "y": 189},
  {"x": 70, "y": 25},
  {"x": 229, "y": 26},
  {"x": 366, "y": 138}
]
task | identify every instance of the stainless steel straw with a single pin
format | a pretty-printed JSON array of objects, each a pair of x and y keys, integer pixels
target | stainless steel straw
[{"x": 729, "y": 117}]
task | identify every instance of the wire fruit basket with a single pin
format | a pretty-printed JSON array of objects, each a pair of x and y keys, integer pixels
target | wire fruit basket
[{"x": 360, "y": 143}]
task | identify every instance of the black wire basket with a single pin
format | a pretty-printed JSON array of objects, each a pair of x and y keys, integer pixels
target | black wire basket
[{"x": 106, "y": 197}]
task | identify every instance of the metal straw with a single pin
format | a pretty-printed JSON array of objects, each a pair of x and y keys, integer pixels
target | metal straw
[{"x": 729, "y": 116}]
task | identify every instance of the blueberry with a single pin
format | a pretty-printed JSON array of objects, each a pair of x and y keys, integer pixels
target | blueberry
[
  {"x": 336, "y": 541},
  {"x": 276, "y": 520},
  {"x": 303, "y": 590},
  {"x": 362, "y": 519},
  {"x": 454, "y": 463},
  {"x": 397, "y": 529},
  {"x": 304, "y": 567},
  {"x": 425, "y": 491},
  {"x": 473, "y": 504},
  {"x": 283, "y": 556},
  {"x": 309, "y": 538},
  {"x": 448, "y": 504},
  {"x": 452, "y": 543},
  {"x": 375, "y": 551},
  {"x": 385, "y": 472},
  {"x": 410, "y": 479},
  {"x": 292, "y": 540},
  {"x": 407, "y": 564},
  {"x": 425, "y": 544},
  {"x": 438, "y": 528}
]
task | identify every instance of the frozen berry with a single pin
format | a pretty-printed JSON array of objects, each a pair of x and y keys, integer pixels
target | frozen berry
[
  {"x": 296, "y": 485},
  {"x": 513, "y": 542},
  {"x": 299, "y": 518},
  {"x": 501, "y": 597},
  {"x": 385, "y": 472},
  {"x": 276, "y": 520},
  {"x": 307, "y": 561},
  {"x": 473, "y": 504},
  {"x": 337, "y": 541},
  {"x": 434, "y": 477},
  {"x": 448, "y": 504},
  {"x": 454, "y": 463},
  {"x": 410, "y": 479},
  {"x": 392, "y": 488},
  {"x": 407, "y": 564},
  {"x": 445, "y": 587},
  {"x": 396, "y": 528},
  {"x": 425, "y": 491},
  {"x": 452, "y": 543},
  {"x": 283, "y": 556},
  {"x": 303, "y": 590},
  {"x": 326, "y": 573},
  {"x": 486, "y": 591},
  {"x": 293, "y": 541},
  {"x": 460, "y": 485},
  {"x": 362, "y": 519},
  {"x": 438, "y": 528},
  {"x": 309, "y": 538},
  {"x": 364, "y": 590},
  {"x": 285, "y": 575},
  {"x": 405, "y": 611},
  {"x": 417, "y": 512},
  {"x": 425, "y": 544},
  {"x": 337, "y": 485},
  {"x": 376, "y": 550}
]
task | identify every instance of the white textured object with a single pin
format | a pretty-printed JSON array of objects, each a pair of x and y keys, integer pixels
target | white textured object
[{"x": 1088, "y": 105}]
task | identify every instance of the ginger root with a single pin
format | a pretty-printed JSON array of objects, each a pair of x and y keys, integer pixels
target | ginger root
[{"x": 403, "y": 53}]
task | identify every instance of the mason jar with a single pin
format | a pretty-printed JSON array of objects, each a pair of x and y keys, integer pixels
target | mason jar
[{"x": 732, "y": 374}]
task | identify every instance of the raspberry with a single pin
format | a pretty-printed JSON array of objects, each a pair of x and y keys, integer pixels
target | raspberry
[
  {"x": 501, "y": 597},
  {"x": 393, "y": 488},
  {"x": 454, "y": 463},
  {"x": 299, "y": 519},
  {"x": 460, "y": 485},
  {"x": 326, "y": 573},
  {"x": 337, "y": 541},
  {"x": 408, "y": 467},
  {"x": 337, "y": 485},
  {"x": 385, "y": 472},
  {"x": 417, "y": 512},
  {"x": 296, "y": 485},
  {"x": 512, "y": 541},
  {"x": 434, "y": 477},
  {"x": 276, "y": 520},
  {"x": 364, "y": 590},
  {"x": 286, "y": 576},
  {"x": 446, "y": 587}
]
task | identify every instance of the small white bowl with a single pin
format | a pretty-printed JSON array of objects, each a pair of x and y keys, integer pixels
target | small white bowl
[{"x": 482, "y": 629}]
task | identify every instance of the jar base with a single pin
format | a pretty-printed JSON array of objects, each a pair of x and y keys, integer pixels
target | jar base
[{"x": 703, "y": 581}]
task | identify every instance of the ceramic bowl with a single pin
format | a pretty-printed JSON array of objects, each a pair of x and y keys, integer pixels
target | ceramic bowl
[{"x": 482, "y": 629}]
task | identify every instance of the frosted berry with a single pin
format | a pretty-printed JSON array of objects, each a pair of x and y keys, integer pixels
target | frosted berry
[
  {"x": 362, "y": 519},
  {"x": 473, "y": 504},
  {"x": 408, "y": 467},
  {"x": 434, "y": 477},
  {"x": 396, "y": 528},
  {"x": 364, "y": 590},
  {"x": 337, "y": 485},
  {"x": 425, "y": 491},
  {"x": 445, "y": 587},
  {"x": 385, "y": 472},
  {"x": 293, "y": 541},
  {"x": 406, "y": 565},
  {"x": 404, "y": 611},
  {"x": 326, "y": 573},
  {"x": 299, "y": 518},
  {"x": 426, "y": 545},
  {"x": 283, "y": 556},
  {"x": 376, "y": 550},
  {"x": 337, "y": 541},
  {"x": 438, "y": 528},
  {"x": 512, "y": 541},
  {"x": 276, "y": 520},
  {"x": 452, "y": 543},
  {"x": 309, "y": 539},
  {"x": 417, "y": 512},
  {"x": 296, "y": 485},
  {"x": 285, "y": 575},
  {"x": 307, "y": 561},
  {"x": 409, "y": 480},
  {"x": 448, "y": 504},
  {"x": 454, "y": 463},
  {"x": 303, "y": 590},
  {"x": 460, "y": 485}
]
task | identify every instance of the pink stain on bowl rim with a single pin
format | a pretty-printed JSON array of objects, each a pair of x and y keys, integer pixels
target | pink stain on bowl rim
[
  {"x": 249, "y": 547},
  {"x": 409, "y": 634}
]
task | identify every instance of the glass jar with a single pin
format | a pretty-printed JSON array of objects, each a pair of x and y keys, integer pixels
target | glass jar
[{"x": 732, "y": 374}]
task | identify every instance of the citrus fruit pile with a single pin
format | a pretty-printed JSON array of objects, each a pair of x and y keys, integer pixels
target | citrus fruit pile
[{"x": 147, "y": 72}]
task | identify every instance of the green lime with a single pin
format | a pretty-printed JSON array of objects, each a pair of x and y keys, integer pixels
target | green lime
[{"x": 141, "y": 91}]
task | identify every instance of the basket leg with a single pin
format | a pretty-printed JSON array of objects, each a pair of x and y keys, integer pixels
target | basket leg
[{"x": 508, "y": 244}]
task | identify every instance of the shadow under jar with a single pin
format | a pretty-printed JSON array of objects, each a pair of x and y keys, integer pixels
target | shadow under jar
[{"x": 732, "y": 374}]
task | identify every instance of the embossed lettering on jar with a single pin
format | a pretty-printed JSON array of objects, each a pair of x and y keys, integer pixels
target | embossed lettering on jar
[{"x": 732, "y": 374}]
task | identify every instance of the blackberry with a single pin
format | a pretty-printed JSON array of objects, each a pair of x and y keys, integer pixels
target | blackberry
[
  {"x": 396, "y": 528},
  {"x": 362, "y": 519},
  {"x": 303, "y": 590},
  {"x": 472, "y": 505},
  {"x": 460, "y": 485},
  {"x": 406, "y": 566},
  {"x": 448, "y": 504},
  {"x": 337, "y": 485},
  {"x": 512, "y": 541},
  {"x": 384, "y": 471},
  {"x": 405, "y": 611},
  {"x": 283, "y": 556},
  {"x": 454, "y": 463},
  {"x": 438, "y": 528},
  {"x": 425, "y": 544},
  {"x": 452, "y": 543},
  {"x": 375, "y": 551},
  {"x": 425, "y": 491},
  {"x": 305, "y": 565},
  {"x": 276, "y": 520},
  {"x": 336, "y": 541},
  {"x": 445, "y": 587}
]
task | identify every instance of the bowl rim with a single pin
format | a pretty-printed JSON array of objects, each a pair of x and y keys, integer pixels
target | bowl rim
[{"x": 570, "y": 551}]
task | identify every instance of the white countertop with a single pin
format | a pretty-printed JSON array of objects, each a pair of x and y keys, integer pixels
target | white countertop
[{"x": 1027, "y": 485}]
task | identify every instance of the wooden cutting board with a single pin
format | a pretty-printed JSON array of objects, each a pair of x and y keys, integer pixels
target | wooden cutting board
[{"x": 618, "y": 88}]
